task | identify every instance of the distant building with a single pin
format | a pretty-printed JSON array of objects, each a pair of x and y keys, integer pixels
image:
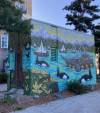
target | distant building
[
  {"x": 3, "y": 50},
  {"x": 28, "y": 4},
  {"x": 26, "y": 7}
]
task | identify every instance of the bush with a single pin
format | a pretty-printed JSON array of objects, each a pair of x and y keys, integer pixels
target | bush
[
  {"x": 77, "y": 88},
  {"x": 3, "y": 78},
  {"x": 8, "y": 100},
  {"x": 18, "y": 108},
  {"x": 53, "y": 86}
]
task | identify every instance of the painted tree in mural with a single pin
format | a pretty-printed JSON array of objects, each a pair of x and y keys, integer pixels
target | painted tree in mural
[
  {"x": 11, "y": 21},
  {"x": 82, "y": 14}
]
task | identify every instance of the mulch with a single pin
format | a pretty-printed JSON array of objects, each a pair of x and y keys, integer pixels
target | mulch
[{"x": 6, "y": 108}]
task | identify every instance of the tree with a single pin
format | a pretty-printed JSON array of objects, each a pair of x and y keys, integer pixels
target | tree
[
  {"x": 97, "y": 44},
  {"x": 97, "y": 37},
  {"x": 82, "y": 14},
  {"x": 12, "y": 22}
]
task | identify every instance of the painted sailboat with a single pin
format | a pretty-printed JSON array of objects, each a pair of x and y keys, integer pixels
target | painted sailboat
[
  {"x": 34, "y": 45},
  {"x": 63, "y": 50},
  {"x": 41, "y": 51}
]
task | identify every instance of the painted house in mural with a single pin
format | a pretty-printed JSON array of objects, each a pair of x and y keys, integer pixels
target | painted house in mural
[{"x": 60, "y": 54}]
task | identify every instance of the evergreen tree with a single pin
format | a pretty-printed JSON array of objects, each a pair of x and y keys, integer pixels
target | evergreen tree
[
  {"x": 17, "y": 28},
  {"x": 97, "y": 44},
  {"x": 82, "y": 14}
]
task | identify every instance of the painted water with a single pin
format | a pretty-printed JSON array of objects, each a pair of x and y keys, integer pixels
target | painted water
[{"x": 53, "y": 65}]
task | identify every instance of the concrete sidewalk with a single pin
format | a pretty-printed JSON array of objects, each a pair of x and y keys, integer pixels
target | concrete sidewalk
[
  {"x": 3, "y": 87},
  {"x": 88, "y": 103}
]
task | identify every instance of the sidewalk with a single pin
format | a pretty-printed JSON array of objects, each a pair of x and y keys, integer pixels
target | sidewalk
[
  {"x": 3, "y": 87},
  {"x": 88, "y": 103}
]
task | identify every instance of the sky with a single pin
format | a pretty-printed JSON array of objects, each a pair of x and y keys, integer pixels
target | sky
[{"x": 51, "y": 11}]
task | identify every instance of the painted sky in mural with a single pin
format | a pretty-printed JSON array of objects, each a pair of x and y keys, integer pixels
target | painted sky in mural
[{"x": 63, "y": 35}]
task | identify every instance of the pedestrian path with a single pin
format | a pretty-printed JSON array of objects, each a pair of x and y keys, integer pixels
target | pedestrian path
[
  {"x": 88, "y": 103},
  {"x": 3, "y": 87}
]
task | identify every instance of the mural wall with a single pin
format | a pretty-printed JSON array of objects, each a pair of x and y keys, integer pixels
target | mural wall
[
  {"x": 62, "y": 55},
  {"x": 57, "y": 55}
]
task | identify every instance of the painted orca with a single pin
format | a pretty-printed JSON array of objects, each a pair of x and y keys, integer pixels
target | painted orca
[
  {"x": 86, "y": 77},
  {"x": 62, "y": 75},
  {"x": 27, "y": 53},
  {"x": 41, "y": 63}
]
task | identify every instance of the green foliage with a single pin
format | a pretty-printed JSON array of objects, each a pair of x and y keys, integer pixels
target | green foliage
[
  {"x": 77, "y": 88},
  {"x": 11, "y": 18},
  {"x": 53, "y": 86},
  {"x": 9, "y": 100},
  {"x": 3, "y": 78},
  {"x": 97, "y": 37},
  {"x": 21, "y": 1},
  {"x": 40, "y": 85},
  {"x": 9, "y": 15},
  {"x": 18, "y": 108},
  {"x": 82, "y": 14}
]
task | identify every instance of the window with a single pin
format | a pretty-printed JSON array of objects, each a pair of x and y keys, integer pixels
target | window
[
  {"x": 4, "y": 40},
  {"x": 21, "y": 6}
]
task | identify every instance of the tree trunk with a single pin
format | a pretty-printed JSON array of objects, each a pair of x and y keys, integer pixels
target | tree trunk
[
  {"x": 19, "y": 78},
  {"x": 99, "y": 63}
]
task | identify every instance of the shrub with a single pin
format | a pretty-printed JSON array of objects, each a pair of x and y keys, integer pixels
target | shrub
[
  {"x": 53, "y": 86},
  {"x": 77, "y": 88},
  {"x": 18, "y": 108},
  {"x": 9, "y": 100},
  {"x": 3, "y": 78}
]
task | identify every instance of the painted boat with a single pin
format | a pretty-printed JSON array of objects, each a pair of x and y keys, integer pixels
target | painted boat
[
  {"x": 63, "y": 49},
  {"x": 41, "y": 51}
]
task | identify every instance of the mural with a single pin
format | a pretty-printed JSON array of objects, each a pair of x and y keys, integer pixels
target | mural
[
  {"x": 62, "y": 54},
  {"x": 58, "y": 55}
]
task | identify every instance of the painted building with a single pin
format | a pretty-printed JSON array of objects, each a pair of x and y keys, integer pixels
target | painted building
[
  {"x": 26, "y": 7},
  {"x": 28, "y": 4},
  {"x": 61, "y": 55}
]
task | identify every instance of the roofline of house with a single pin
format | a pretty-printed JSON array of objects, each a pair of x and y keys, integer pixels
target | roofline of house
[{"x": 57, "y": 26}]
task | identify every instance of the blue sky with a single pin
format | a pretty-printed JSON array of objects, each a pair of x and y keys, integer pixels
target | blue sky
[{"x": 51, "y": 11}]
